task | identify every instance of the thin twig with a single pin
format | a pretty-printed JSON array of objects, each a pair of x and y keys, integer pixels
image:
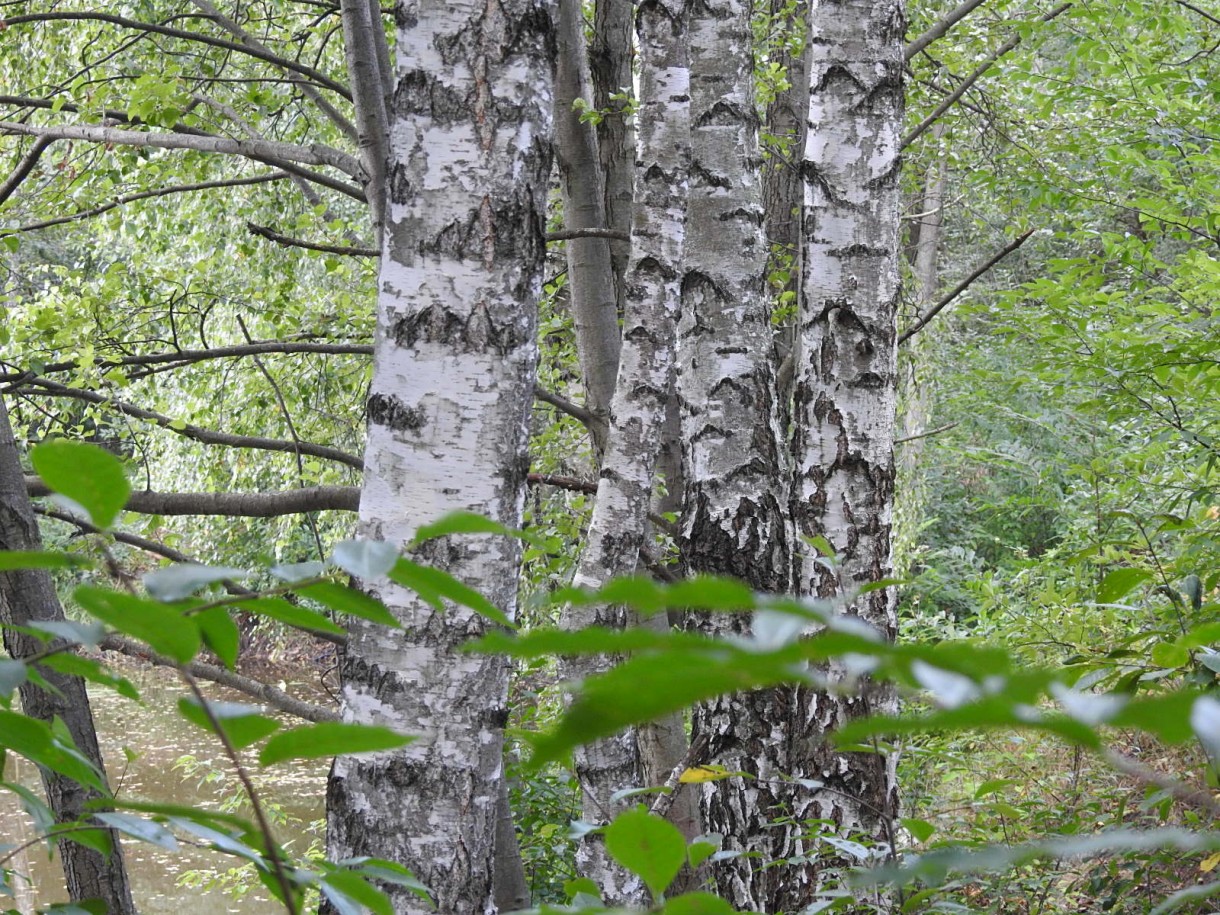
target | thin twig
[
  {"x": 287, "y": 241},
  {"x": 937, "y": 431}
]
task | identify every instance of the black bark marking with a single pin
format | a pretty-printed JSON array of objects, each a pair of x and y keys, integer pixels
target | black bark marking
[{"x": 387, "y": 410}]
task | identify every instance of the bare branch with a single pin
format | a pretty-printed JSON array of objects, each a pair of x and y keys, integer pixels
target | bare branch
[
  {"x": 288, "y": 241},
  {"x": 566, "y": 234},
  {"x": 230, "y": 504},
  {"x": 221, "y": 352},
  {"x": 24, "y": 167},
  {"x": 961, "y": 287},
  {"x": 952, "y": 18},
  {"x": 195, "y": 433},
  {"x": 1206, "y": 15},
  {"x": 146, "y": 195},
  {"x": 973, "y": 78},
  {"x": 276, "y": 698},
  {"x": 266, "y": 151},
  {"x": 249, "y": 41},
  {"x": 261, "y": 53},
  {"x": 928, "y": 434},
  {"x": 563, "y": 405}
]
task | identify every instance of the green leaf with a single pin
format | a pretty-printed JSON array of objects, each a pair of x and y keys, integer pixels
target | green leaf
[
  {"x": 351, "y": 894},
  {"x": 37, "y": 559},
  {"x": 365, "y": 558},
  {"x": 330, "y": 738},
  {"x": 91, "y": 670},
  {"x": 350, "y": 601},
  {"x": 1119, "y": 583},
  {"x": 1169, "y": 654},
  {"x": 88, "y": 633},
  {"x": 433, "y": 585},
  {"x": 165, "y": 629},
  {"x": 920, "y": 830},
  {"x": 700, "y": 850},
  {"x": 648, "y": 846},
  {"x": 12, "y": 675},
  {"x": 220, "y": 634},
  {"x": 174, "y": 582},
  {"x": 86, "y": 474},
  {"x": 277, "y": 608},
  {"x": 698, "y": 904},
  {"x": 36, "y": 742},
  {"x": 242, "y": 724},
  {"x": 139, "y": 828},
  {"x": 466, "y": 523}
]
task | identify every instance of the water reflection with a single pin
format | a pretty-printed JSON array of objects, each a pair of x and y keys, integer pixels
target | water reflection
[{"x": 142, "y": 745}]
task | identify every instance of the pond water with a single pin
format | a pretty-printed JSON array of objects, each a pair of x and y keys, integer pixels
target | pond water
[{"x": 152, "y": 754}]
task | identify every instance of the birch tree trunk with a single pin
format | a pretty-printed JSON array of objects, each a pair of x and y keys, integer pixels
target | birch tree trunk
[
  {"x": 843, "y": 410},
  {"x": 591, "y": 279},
  {"x": 734, "y": 521},
  {"x": 619, "y": 525},
  {"x": 28, "y": 595},
  {"x": 454, "y": 367}
]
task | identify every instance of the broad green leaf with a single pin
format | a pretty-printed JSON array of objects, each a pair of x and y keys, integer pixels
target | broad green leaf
[
  {"x": 86, "y": 474},
  {"x": 174, "y": 582},
  {"x": 351, "y": 894},
  {"x": 698, "y": 904},
  {"x": 35, "y": 559},
  {"x": 91, "y": 670},
  {"x": 88, "y": 633},
  {"x": 467, "y": 523},
  {"x": 220, "y": 634},
  {"x": 12, "y": 675},
  {"x": 330, "y": 738},
  {"x": 277, "y": 608},
  {"x": 386, "y": 872},
  {"x": 365, "y": 559},
  {"x": 1119, "y": 583},
  {"x": 36, "y": 741},
  {"x": 166, "y": 630},
  {"x": 700, "y": 850},
  {"x": 139, "y": 828},
  {"x": 33, "y": 805},
  {"x": 920, "y": 830},
  {"x": 242, "y": 724},
  {"x": 218, "y": 839},
  {"x": 1169, "y": 654},
  {"x": 433, "y": 584},
  {"x": 648, "y": 846},
  {"x": 350, "y": 601}
]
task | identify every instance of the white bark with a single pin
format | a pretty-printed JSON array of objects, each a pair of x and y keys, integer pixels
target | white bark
[
  {"x": 645, "y": 379},
  {"x": 453, "y": 378}
]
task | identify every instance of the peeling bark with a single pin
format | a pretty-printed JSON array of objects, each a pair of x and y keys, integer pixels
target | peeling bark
[{"x": 453, "y": 378}]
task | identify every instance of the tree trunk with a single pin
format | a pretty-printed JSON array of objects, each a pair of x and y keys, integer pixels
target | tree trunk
[
  {"x": 610, "y": 62},
  {"x": 591, "y": 278},
  {"x": 28, "y": 595},
  {"x": 843, "y": 408},
  {"x": 736, "y": 494},
  {"x": 620, "y": 518},
  {"x": 453, "y": 375}
]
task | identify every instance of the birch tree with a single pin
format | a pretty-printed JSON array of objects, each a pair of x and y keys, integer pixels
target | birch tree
[
  {"x": 642, "y": 393},
  {"x": 454, "y": 368}
]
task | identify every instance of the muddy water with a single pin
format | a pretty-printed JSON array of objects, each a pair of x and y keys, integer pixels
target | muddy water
[{"x": 145, "y": 746}]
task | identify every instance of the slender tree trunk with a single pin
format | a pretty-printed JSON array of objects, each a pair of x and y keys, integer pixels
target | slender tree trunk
[
  {"x": 591, "y": 277},
  {"x": 364, "y": 47},
  {"x": 619, "y": 525},
  {"x": 610, "y": 60},
  {"x": 454, "y": 367},
  {"x": 734, "y": 521},
  {"x": 843, "y": 411},
  {"x": 26, "y": 596}
]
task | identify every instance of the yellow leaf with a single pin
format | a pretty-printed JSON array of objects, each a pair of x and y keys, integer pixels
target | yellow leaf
[
  {"x": 698, "y": 774},
  {"x": 1208, "y": 864}
]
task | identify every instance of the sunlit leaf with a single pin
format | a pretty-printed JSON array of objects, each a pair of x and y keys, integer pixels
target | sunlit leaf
[
  {"x": 364, "y": 558},
  {"x": 648, "y": 846},
  {"x": 88, "y": 475},
  {"x": 182, "y": 579},
  {"x": 330, "y": 738}
]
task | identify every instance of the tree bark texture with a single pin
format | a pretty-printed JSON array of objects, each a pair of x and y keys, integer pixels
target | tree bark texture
[
  {"x": 610, "y": 62},
  {"x": 591, "y": 277},
  {"x": 619, "y": 525},
  {"x": 735, "y": 465},
  {"x": 26, "y": 596},
  {"x": 361, "y": 36},
  {"x": 844, "y": 402},
  {"x": 454, "y": 366}
]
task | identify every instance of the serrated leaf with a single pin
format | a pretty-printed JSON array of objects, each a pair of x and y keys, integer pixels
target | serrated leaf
[
  {"x": 88, "y": 475},
  {"x": 365, "y": 559},
  {"x": 648, "y": 846},
  {"x": 139, "y": 828},
  {"x": 330, "y": 738},
  {"x": 175, "y": 582}
]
